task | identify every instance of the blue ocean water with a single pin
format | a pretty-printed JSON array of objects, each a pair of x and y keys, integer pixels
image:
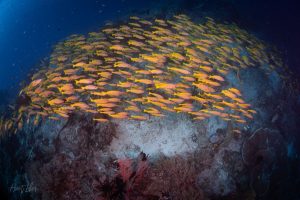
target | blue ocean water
[{"x": 28, "y": 29}]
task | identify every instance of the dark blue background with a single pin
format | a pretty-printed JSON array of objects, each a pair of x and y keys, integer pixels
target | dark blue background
[{"x": 28, "y": 29}]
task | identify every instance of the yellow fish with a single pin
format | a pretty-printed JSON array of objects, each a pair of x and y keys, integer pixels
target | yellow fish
[
  {"x": 55, "y": 101},
  {"x": 138, "y": 117},
  {"x": 200, "y": 75},
  {"x": 117, "y": 47},
  {"x": 235, "y": 91},
  {"x": 125, "y": 84},
  {"x": 120, "y": 115},
  {"x": 206, "y": 68},
  {"x": 156, "y": 71},
  {"x": 85, "y": 81},
  {"x": 135, "y": 91},
  {"x": 145, "y": 81},
  {"x": 182, "y": 71},
  {"x": 80, "y": 105},
  {"x": 89, "y": 87},
  {"x": 165, "y": 85},
  {"x": 35, "y": 82},
  {"x": 204, "y": 87},
  {"x": 215, "y": 77},
  {"x": 100, "y": 119},
  {"x": 228, "y": 94},
  {"x": 177, "y": 56},
  {"x": 136, "y": 43}
]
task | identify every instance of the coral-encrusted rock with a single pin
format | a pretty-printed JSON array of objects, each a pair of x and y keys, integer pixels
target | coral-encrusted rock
[
  {"x": 170, "y": 135},
  {"x": 77, "y": 158},
  {"x": 263, "y": 152},
  {"x": 263, "y": 146}
]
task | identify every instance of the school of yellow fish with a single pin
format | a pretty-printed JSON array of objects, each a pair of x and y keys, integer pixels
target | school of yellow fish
[{"x": 146, "y": 68}]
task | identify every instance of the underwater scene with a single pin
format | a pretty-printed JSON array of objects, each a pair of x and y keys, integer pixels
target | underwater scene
[{"x": 149, "y": 100}]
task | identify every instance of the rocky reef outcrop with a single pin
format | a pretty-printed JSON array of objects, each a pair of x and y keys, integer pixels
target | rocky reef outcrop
[{"x": 169, "y": 158}]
